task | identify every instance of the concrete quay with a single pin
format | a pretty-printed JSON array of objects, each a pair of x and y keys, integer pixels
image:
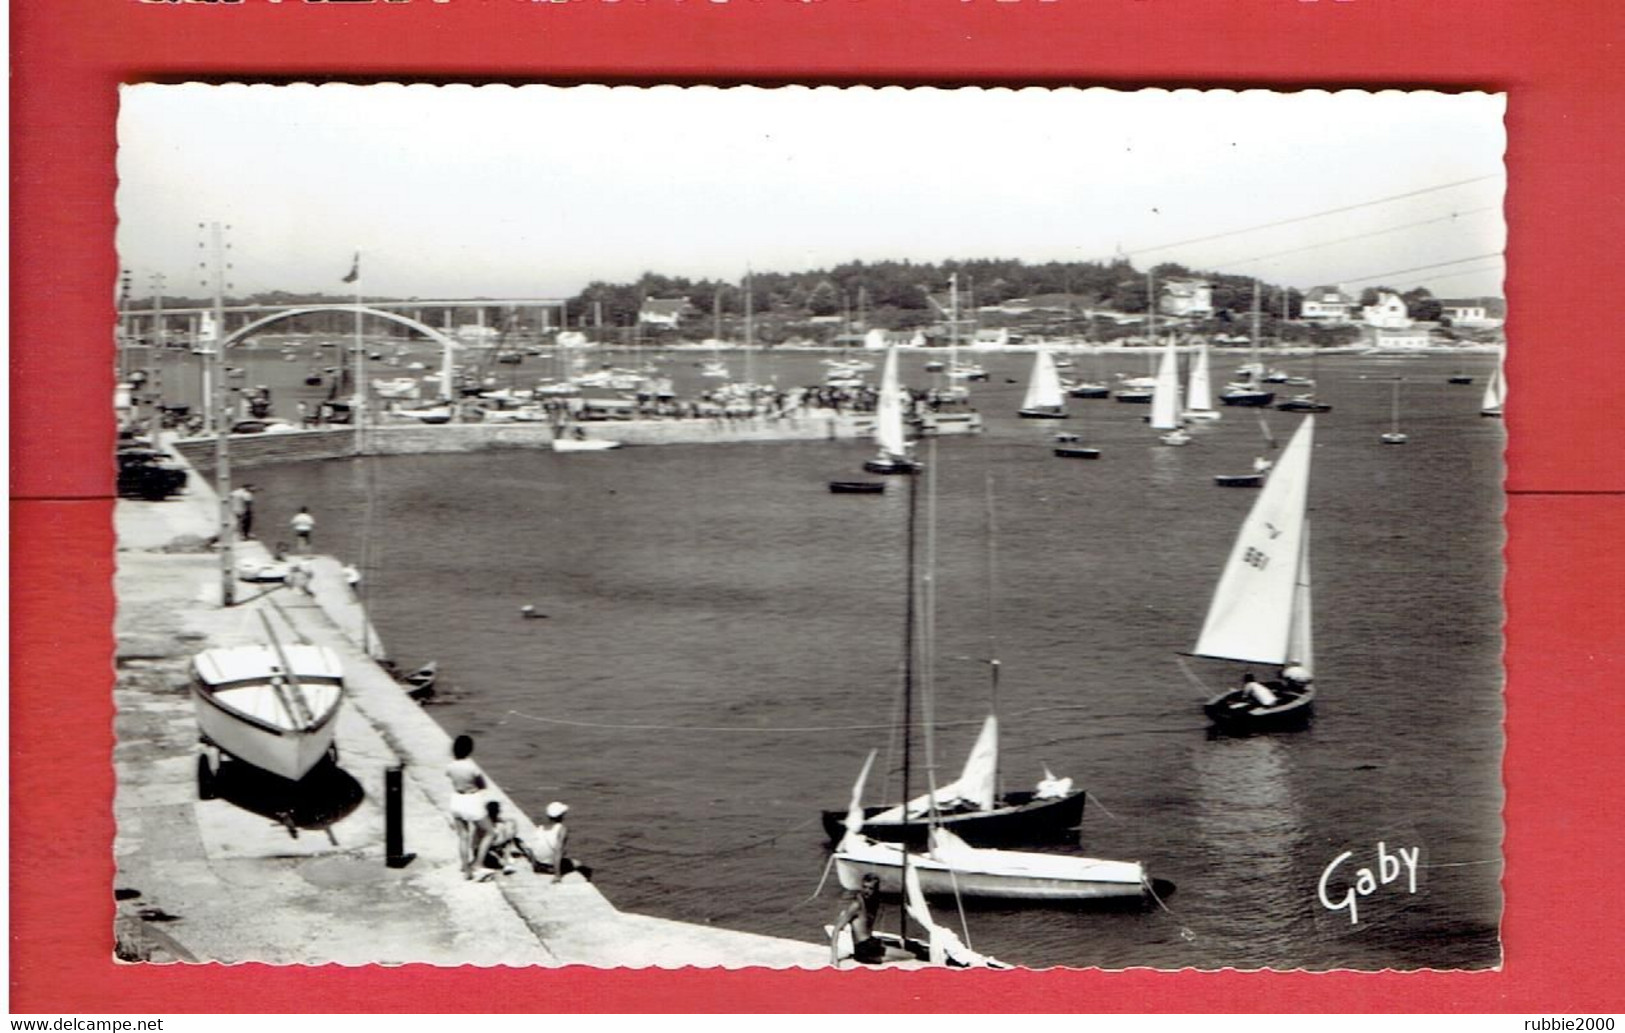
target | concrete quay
[
  {"x": 248, "y": 450},
  {"x": 266, "y": 874}
]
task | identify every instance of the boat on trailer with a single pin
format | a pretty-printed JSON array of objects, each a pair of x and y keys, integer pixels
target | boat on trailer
[{"x": 271, "y": 706}]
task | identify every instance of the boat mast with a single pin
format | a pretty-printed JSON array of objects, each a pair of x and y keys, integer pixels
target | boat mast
[
  {"x": 909, "y": 610},
  {"x": 992, "y": 623},
  {"x": 1257, "y": 374}
]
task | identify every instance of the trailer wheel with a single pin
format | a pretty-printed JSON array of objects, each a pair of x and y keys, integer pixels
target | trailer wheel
[{"x": 206, "y": 774}]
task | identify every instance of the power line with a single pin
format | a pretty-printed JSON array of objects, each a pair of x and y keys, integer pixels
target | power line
[
  {"x": 1420, "y": 268},
  {"x": 1314, "y": 215},
  {"x": 1360, "y": 236}
]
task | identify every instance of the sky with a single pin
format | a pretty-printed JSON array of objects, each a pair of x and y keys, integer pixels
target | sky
[{"x": 535, "y": 191}]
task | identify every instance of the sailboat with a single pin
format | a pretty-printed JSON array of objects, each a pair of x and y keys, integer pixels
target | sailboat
[
  {"x": 939, "y": 946},
  {"x": 971, "y": 807},
  {"x": 950, "y": 866},
  {"x": 1495, "y": 394},
  {"x": 1261, "y": 465},
  {"x": 1199, "y": 392},
  {"x": 1247, "y": 392},
  {"x": 1261, "y": 610},
  {"x": 1165, "y": 400},
  {"x": 894, "y": 454},
  {"x": 1394, "y": 436},
  {"x": 1044, "y": 400}
]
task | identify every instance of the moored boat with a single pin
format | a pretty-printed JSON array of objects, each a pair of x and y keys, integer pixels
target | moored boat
[
  {"x": 1044, "y": 400},
  {"x": 857, "y": 487},
  {"x": 952, "y": 867}
]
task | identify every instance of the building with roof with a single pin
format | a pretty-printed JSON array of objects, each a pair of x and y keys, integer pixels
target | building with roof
[
  {"x": 1186, "y": 298},
  {"x": 1389, "y": 313},
  {"x": 1328, "y": 305},
  {"x": 1474, "y": 312},
  {"x": 663, "y": 311}
]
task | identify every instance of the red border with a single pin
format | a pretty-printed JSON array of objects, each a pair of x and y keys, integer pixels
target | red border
[{"x": 1565, "y": 923}]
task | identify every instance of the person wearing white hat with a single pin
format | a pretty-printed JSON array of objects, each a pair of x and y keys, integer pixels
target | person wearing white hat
[{"x": 551, "y": 836}]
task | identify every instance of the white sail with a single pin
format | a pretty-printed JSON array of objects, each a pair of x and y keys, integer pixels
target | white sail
[
  {"x": 1200, "y": 393},
  {"x": 1252, "y": 615},
  {"x": 1165, "y": 396},
  {"x": 975, "y": 785},
  {"x": 854, "y": 811},
  {"x": 889, "y": 410},
  {"x": 1300, "y": 650},
  {"x": 1495, "y": 392},
  {"x": 1044, "y": 386}
]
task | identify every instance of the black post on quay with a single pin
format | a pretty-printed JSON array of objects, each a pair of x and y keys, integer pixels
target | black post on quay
[{"x": 395, "y": 855}]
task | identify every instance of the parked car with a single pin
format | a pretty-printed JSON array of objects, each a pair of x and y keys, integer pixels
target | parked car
[{"x": 145, "y": 473}]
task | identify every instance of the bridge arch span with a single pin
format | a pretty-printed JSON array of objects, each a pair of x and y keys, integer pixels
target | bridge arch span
[{"x": 243, "y": 332}]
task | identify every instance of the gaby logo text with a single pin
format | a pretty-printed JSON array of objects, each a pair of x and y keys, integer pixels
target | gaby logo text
[{"x": 1389, "y": 867}]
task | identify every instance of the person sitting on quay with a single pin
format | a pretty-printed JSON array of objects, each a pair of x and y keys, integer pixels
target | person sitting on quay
[
  {"x": 505, "y": 842},
  {"x": 551, "y": 836}
]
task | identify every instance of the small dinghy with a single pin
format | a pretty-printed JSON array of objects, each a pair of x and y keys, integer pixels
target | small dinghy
[
  {"x": 1077, "y": 452},
  {"x": 419, "y": 684},
  {"x": 857, "y": 487}
]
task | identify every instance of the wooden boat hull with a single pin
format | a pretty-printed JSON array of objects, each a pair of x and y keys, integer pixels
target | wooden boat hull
[
  {"x": 857, "y": 487},
  {"x": 283, "y": 752},
  {"x": 247, "y": 711},
  {"x": 1239, "y": 480},
  {"x": 1233, "y": 712},
  {"x": 1019, "y": 819},
  {"x": 1071, "y": 879},
  {"x": 1075, "y": 452}
]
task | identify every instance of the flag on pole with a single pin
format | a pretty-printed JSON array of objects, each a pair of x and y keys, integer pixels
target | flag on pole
[{"x": 355, "y": 269}]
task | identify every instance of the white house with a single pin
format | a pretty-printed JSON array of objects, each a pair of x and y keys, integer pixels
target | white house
[
  {"x": 1328, "y": 305},
  {"x": 1186, "y": 298},
  {"x": 662, "y": 311},
  {"x": 1474, "y": 312},
  {"x": 1389, "y": 313}
]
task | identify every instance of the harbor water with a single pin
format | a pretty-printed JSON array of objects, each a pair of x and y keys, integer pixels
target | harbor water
[{"x": 722, "y": 646}]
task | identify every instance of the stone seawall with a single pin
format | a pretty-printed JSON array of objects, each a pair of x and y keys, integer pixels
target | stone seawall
[{"x": 299, "y": 446}]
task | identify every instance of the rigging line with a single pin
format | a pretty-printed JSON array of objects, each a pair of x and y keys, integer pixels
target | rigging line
[
  {"x": 1359, "y": 236},
  {"x": 709, "y": 728},
  {"x": 1091, "y": 796},
  {"x": 737, "y": 849},
  {"x": 1420, "y": 268},
  {"x": 1313, "y": 215},
  {"x": 1185, "y": 932},
  {"x": 821, "y": 880}
]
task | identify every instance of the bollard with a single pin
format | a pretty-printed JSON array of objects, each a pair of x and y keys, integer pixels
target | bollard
[{"x": 395, "y": 855}]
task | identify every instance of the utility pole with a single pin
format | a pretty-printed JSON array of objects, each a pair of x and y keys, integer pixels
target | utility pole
[
  {"x": 157, "y": 352},
  {"x": 222, "y": 419}
]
